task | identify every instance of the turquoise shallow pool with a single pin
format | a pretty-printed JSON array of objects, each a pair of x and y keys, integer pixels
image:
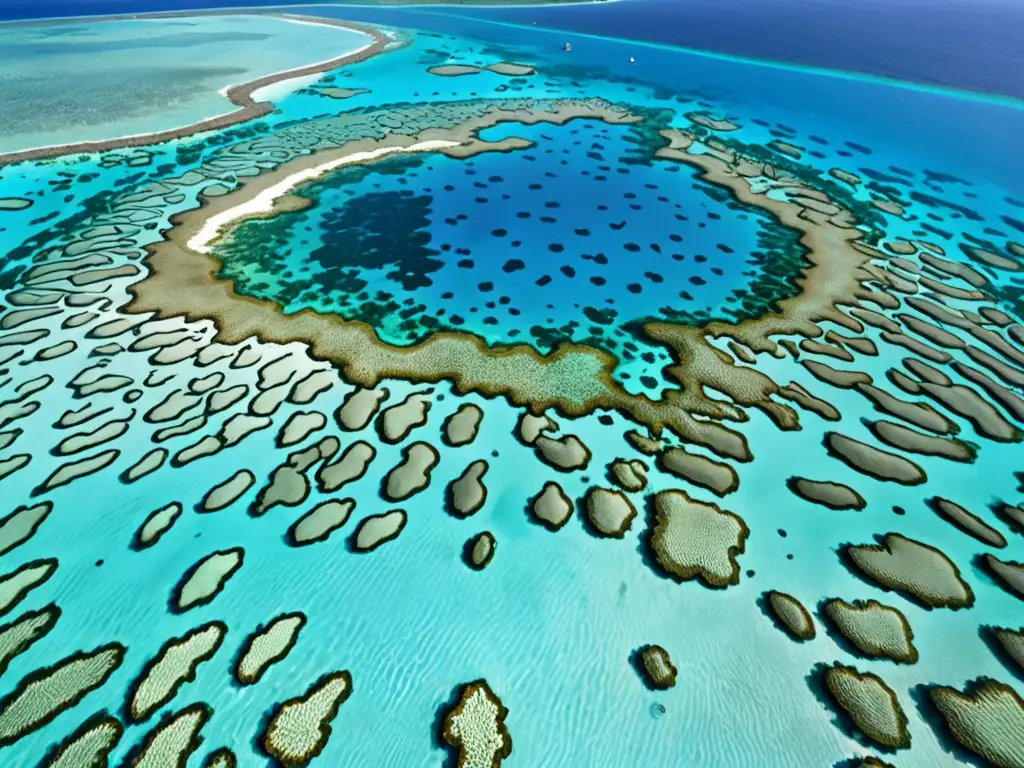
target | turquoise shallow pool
[
  {"x": 87, "y": 81},
  {"x": 161, "y": 410}
]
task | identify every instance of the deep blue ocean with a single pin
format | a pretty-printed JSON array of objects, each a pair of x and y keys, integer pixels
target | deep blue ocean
[{"x": 952, "y": 43}]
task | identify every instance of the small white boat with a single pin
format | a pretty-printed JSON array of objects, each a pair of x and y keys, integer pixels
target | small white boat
[
  {"x": 632, "y": 60},
  {"x": 567, "y": 47}
]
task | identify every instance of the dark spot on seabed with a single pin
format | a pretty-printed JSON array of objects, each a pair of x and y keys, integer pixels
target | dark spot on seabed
[{"x": 378, "y": 230}]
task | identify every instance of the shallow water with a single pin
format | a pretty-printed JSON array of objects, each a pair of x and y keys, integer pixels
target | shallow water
[
  {"x": 88, "y": 81},
  {"x": 552, "y": 622}
]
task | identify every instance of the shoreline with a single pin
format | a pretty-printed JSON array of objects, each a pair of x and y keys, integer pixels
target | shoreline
[
  {"x": 266, "y": 201},
  {"x": 240, "y": 95}
]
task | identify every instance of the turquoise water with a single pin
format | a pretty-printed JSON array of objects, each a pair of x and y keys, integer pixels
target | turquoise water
[
  {"x": 552, "y": 621},
  {"x": 87, "y": 81}
]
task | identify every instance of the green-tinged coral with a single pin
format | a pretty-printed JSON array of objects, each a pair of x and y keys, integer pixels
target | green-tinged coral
[
  {"x": 987, "y": 718},
  {"x": 173, "y": 665},
  {"x": 870, "y": 704},
  {"x": 299, "y": 728},
  {"x": 268, "y": 645},
  {"x": 476, "y": 728},
  {"x": 48, "y": 691}
]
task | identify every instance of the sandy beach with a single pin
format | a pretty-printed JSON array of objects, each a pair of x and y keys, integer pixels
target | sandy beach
[{"x": 266, "y": 201}]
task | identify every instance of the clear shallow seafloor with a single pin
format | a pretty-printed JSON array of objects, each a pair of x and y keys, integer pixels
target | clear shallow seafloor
[
  {"x": 552, "y": 622},
  {"x": 85, "y": 81}
]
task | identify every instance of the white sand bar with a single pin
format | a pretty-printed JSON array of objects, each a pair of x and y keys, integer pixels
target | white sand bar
[{"x": 263, "y": 203}]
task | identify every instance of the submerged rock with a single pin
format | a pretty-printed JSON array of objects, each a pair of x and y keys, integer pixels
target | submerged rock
[{"x": 659, "y": 671}]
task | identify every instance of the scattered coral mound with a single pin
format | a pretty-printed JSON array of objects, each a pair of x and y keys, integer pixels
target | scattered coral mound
[
  {"x": 476, "y": 728},
  {"x": 874, "y": 629},
  {"x": 692, "y": 539},
  {"x": 987, "y": 718},
  {"x": 299, "y": 728},
  {"x": 913, "y": 568},
  {"x": 871, "y": 705},
  {"x": 790, "y": 615},
  {"x": 659, "y": 671}
]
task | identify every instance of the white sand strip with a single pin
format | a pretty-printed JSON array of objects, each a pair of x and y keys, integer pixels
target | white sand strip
[{"x": 263, "y": 203}]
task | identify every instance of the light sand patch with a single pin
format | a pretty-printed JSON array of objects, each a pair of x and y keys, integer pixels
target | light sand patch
[
  {"x": 721, "y": 479},
  {"x": 225, "y": 398},
  {"x": 530, "y": 427},
  {"x": 827, "y": 493},
  {"x": 299, "y": 426},
  {"x": 1009, "y": 574},
  {"x": 359, "y": 407},
  {"x": 462, "y": 426},
  {"x": 629, "y": 475},
  {"x": 150, "y": 462},
  {"x": 872, "y": 461},
  {"x": 395, "y": 423},
  {"x": 265, "y": 202},
  {"x": 481, "y": 550},
  {"x": 968, "y": 522},
  {"x": 227, "y": 493},
  {"x": 74, "y": 470},
  {"x": 565, "y": 454},
  {"x": 351, "y": 466},
  {"x": 221, "y": 758},
  {"x": 551, "y": 507}
]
